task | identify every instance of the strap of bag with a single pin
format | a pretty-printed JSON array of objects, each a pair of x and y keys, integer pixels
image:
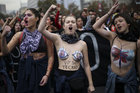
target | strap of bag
[{"x": 20, "y": 38}]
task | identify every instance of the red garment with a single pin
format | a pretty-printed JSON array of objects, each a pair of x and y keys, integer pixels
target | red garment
[
  {"x": 113, "y": 29},
  {"x": 56, "y": 20}
]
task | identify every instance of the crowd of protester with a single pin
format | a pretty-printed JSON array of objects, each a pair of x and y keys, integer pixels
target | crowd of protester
[{"x": 43, "y": 52}]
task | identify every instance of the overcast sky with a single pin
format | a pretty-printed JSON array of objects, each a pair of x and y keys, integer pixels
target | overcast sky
[
  {"x": 12, "y": 4},
  {"x": 15, "y": 4}
]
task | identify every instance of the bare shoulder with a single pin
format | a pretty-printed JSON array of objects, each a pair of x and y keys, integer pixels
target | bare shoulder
[
  {"x": 57, "y": 39},
  {"x": 83, "y": 43},
  {"x": 52, "y": 35},
  {"x": 16, "y": 37},
  {"x": 112, "y": 35},
  {"x": 18, "y": 34},
  {"x": 57, "y": 35}
]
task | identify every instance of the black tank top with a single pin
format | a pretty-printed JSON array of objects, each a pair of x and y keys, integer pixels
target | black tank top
[{"x": 42, "y": 45}]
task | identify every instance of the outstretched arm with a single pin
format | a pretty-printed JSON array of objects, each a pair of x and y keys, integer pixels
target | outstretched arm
[
  {"x": 98, "y": 25},
  {"x": 87, "y": 68},
  {"x": 11, "y": 24},
  {"x": 41, "y": 28}
]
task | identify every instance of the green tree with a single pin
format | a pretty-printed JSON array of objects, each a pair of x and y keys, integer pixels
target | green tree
[
  {"x": 44, "y": 5},
  {"x": 63, "y": 10},
  {"x": 73, "y": 9},
  {"x": 134, "y": 6},
  {"x": 3, "y": 16},
  {"x": 94, "y": 6}
]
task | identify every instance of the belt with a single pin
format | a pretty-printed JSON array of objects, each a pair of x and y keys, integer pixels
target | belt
[{"x": 36, "y": 56}]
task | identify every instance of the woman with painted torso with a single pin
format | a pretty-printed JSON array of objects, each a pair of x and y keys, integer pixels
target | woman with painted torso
[
  {"x": 70, "y": 51},
  {"x": 125, "y": 46}
]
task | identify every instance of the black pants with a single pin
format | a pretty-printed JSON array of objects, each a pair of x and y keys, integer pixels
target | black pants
[
  {"x": 3, "y": 88},
  {"x": 119, "y": 88},
  {"x": 79, "y": 91}
]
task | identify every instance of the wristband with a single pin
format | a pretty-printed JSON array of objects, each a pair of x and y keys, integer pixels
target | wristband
[
  {"x": 108, "y": 14},
  {"x": 47, "y": 75}
]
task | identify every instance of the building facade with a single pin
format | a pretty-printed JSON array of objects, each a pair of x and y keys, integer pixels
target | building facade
[
  {"x": 32, "y": 3},
  {"x": 76, "y": 2},
  {"x": 108, "y": 2},
  {"x": 3, "y": 8}
]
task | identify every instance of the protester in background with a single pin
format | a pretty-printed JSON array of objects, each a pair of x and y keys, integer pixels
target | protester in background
[
  {"x": 83, "y": 15},
  {"x": 136, "y": 17},
  {"x": 50, "y": 25},
  {"x": 58, "y": 17},
  {"x": 15, "y": 53},
  {"x": 6, "y": 63},
  {"x": 6, "y": 85}
]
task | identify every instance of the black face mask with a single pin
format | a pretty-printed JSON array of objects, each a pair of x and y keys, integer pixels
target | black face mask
[
  {"x": 128, "y": 36},
  {"x": 69, "y": 38}
]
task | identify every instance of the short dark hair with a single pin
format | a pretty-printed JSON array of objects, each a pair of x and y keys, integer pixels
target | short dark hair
[{"x": 133, "y": 28}]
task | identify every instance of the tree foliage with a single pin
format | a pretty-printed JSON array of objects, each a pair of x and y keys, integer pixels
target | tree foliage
[
  {"x": 45, "y": 4},
  {"x": 73, "y": 9},
  {"x": 3, "y": 16},
  {"x": 94, "y": 6},
  {"x": 128, "y": 8},
  {"x": 63, "y": 10},
  {"x": 133, "y": 6}
]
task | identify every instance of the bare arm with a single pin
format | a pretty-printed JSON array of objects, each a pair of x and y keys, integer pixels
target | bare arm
[
  {"x": 98, "y": 25},
  {"x": 5, "y": 23},
  {"x": 57, "y": 17},
  {"x": 6, "y": 48},
  {"x": 87, "y": 67},
  {"x": 50, "y": 62},
  {"x": 41, "y": 28},
  {"x": 11, "y": 24},
  {"x": 50, "y": 49}
]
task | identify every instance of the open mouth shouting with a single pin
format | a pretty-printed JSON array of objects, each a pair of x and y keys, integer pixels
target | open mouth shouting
[
  {"x": 70, "y": 28},
  {"x": 119, "y": 27},
  {"x": 26, "y": 22}
]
